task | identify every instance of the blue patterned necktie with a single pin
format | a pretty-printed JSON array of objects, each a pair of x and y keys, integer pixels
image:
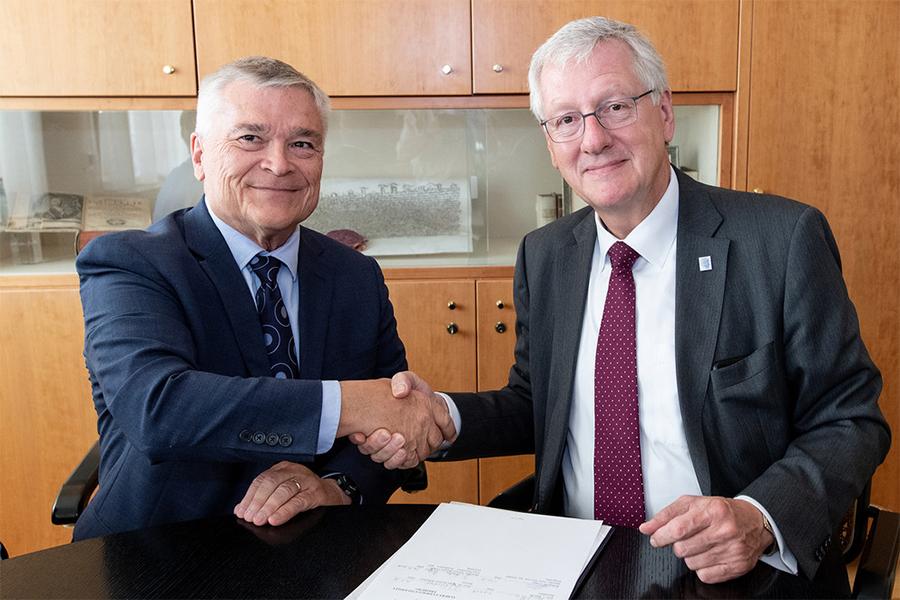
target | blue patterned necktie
[{"x": 273, "y": 316}]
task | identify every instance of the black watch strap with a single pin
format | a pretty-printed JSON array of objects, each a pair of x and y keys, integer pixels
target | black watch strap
[{"x": 348, "y": 486}]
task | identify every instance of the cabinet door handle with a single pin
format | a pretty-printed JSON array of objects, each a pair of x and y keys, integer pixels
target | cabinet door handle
[
  {"x": 498, "y": 68},
  {"x": 758, "y": 191},
  {"x": 500, "y": 327},
  {"x": 451, "y": 305},
  {"x": 168, "y": 69},
  {"x": 500, "y": 304},
  {"x": 446, "y": 69},
  {"x": 452, "y": 328}
]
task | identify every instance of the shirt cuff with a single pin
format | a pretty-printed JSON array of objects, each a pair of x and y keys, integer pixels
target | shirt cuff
[
  {"x": 457, "y": 422},
  {"x": 784, "y": 559},
  {"x": 330, "y": 417}
]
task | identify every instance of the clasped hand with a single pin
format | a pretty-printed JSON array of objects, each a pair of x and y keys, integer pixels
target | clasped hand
[{"x": 416, "y": 424}]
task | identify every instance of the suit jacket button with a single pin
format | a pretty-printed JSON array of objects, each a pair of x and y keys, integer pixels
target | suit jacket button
[
  {"x": 245, "y": 435},
  {"x": 272, "y": 439},
  {"x": 285, "y": 440},
  {"x": 259, "y": 438}
]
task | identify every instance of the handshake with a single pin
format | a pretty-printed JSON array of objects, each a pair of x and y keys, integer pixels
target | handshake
[{"x": 397, "y": 422}]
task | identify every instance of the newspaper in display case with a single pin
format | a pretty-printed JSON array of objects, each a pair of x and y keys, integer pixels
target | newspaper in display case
[{"x": 113, "y": 213}]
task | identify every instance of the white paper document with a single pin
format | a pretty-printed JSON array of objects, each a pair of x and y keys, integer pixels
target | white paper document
[{"x": 464, "y": 551}]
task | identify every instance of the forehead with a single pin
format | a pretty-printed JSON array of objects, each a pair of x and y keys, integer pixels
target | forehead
[
  {"x": 270, "y": 108},
  {"x": 608, "y": 72}
]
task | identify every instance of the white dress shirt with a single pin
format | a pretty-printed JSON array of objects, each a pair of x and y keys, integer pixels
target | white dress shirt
[{"x": 243, "y": 249}]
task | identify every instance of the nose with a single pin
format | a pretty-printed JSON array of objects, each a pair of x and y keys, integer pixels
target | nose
[
  {"x": 596, "y": 138},
  {"x": 276, "y": 160}
]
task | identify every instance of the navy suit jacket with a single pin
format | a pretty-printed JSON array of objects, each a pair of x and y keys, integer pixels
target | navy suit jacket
[{"x": 178, "y": 369}]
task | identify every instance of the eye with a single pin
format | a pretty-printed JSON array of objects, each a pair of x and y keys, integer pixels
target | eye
[
  {"x": 249, "y": 137},
  {"x": 616, "y": 107},
  {"x": 304, "y": 145},
  {"x": 567, "y": 119}
]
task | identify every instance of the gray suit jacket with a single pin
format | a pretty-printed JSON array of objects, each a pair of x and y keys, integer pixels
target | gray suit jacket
[{"x": 778, "y": 394}]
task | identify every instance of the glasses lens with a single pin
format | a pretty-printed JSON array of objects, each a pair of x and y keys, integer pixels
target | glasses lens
[
  {"x": 618, "y": 113},
  {"x": 565, "y": 127}
]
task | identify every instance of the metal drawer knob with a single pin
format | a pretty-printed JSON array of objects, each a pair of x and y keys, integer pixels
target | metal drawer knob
[
  {"x": 500, "y": 327},
  {"x": 452, "y": 328}
]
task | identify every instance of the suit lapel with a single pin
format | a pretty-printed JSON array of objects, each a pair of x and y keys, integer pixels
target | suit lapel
[
  {"x": 698, "y": 309},
  {"x": 206, "y": 242},
  {"x": 316, "y": 289},
  {"x": 572, "y": 271}
]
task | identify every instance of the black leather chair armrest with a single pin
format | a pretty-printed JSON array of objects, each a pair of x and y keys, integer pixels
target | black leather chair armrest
[
  {"x": 878, "y": 565},
  {"x": 519, "y": 497},
  {"x": 76, "y": 491}
]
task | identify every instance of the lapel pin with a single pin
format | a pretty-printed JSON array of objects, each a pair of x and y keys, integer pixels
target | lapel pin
[{"x": 705, "y": 263}]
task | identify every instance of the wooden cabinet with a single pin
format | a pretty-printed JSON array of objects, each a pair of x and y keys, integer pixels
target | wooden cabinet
[
  {"x": 698, "y": 39},
  {"x": 96, "y": 48},
  {"x": 446, "y": 360},
  {"x": 478, "y": 356},
  {"x": 822, "y": 128},
  {"x": 47, "y": 420},
  {"x": 496, "y": 346},
  {"x": 350, "y": 48}
]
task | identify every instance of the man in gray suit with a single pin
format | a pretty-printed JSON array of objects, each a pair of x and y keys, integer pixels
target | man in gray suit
[{"x": 713, "y": 391}]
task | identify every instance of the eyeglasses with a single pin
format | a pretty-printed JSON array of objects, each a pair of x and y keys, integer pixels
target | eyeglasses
[{"x": 611, "y": 115}]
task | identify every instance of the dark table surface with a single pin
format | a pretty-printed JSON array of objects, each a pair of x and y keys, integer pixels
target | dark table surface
[{"x": 326, "y": 553}]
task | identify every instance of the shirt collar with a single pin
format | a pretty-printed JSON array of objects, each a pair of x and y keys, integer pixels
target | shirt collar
[
  {"x": 243, "y": 249},
  {"x": 654, "y": 237}
]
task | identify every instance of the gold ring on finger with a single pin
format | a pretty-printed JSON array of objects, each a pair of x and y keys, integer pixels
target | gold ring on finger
[{"x": 297, "y": 483}]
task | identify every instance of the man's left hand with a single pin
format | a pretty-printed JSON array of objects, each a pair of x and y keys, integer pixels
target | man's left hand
[
  {"x": 284, "y": 490},
  {"x": 718, "y": 538}
]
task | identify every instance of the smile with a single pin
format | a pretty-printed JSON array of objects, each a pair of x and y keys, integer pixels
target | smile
[
  {"x": 604, "y": 168},
  {"x": 272, "y": 189}
]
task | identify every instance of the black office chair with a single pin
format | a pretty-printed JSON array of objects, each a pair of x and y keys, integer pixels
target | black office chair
[
  {"x": 77, "y": 490},
  {"x": 879, "y": 543}
]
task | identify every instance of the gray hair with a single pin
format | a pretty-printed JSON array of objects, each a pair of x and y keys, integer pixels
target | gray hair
[
  {"x": 261, "y": 71},
  {"x": 576, "y": 40}
]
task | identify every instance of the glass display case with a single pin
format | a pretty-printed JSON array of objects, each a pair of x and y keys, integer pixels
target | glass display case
[{"x": 417, "y": 187}]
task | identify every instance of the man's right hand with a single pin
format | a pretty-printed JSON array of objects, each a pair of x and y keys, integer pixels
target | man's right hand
[
  {"x": 389, "y": 448},
  {"x": 409, "y": 427}
]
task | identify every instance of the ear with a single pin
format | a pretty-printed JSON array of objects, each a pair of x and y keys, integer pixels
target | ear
[
  {"x": 667, "y": 112},
  {"x": 197, "y": 157}
]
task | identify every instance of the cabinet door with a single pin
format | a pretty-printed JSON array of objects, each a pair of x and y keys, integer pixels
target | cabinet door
[
  {"x": 698, "y": 39},
  {"x": 445, "y": 360},
  {"x": 349, "y": 48},
  {"x": 47, "y": 419},
  {"x": 496, "y": 344},
  {"x": 96, "y": 48},
  {"x": 823, "y": 129}
]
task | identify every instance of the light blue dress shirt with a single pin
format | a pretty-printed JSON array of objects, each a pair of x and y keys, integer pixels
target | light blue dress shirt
[{"x": 243, "y": 249}]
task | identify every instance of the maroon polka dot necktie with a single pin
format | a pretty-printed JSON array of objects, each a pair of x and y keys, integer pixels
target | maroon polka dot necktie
[{"x": 618, "y": 481}]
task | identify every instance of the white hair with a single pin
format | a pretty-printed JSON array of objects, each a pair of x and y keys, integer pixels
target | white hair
[
  {"x": 575, "y": 42},
  {"x": 261, "y": 71}
]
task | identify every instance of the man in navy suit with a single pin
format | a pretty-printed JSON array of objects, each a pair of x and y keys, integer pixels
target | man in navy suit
[
  {"x": 751, "y": 398},
  {"x": 195, "y": 417}
]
